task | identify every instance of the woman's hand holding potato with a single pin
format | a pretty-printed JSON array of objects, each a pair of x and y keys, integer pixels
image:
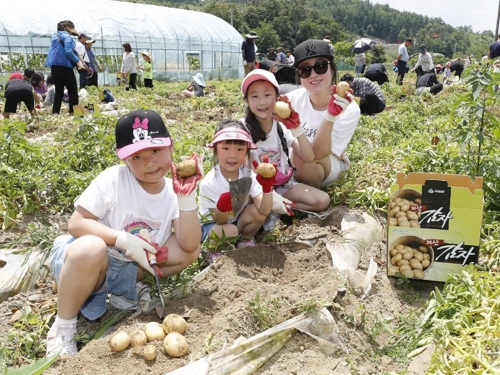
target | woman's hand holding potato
[
  {"x": 341, "y": 98},
  {"x": 266, "y": 174},
  {"x": 284, "y": 113}
]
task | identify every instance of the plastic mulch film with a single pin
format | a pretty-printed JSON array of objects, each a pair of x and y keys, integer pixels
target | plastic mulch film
[
  {"x": 360, "y": 232},
  {"x": 246, "y": 356}
]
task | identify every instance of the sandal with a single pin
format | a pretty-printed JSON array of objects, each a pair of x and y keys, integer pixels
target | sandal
[{"x": 246, "y": 243}]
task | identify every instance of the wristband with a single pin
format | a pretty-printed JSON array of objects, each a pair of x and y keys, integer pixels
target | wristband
[
  {"x": 297, "y": 132},
  {"x": 187, "y": 202}
]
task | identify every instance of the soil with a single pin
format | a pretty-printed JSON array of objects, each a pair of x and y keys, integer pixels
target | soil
[{"x": 297, "y": 270}]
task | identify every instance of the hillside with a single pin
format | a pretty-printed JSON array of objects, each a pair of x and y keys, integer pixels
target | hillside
[{"x": 287, "y": 23}]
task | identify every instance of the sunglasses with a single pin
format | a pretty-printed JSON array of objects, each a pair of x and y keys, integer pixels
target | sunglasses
[{"x": 321, "y": 67}]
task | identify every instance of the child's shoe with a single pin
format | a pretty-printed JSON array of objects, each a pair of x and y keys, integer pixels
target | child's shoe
[{"x": 60, "y": 338}]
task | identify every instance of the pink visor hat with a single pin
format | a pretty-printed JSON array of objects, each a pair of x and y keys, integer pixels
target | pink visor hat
[{"x": 232, "y": 134}]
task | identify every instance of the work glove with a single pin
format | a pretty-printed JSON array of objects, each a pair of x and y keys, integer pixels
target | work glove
[
  {"x": 185, "y": 188},
  {"x": 135, "y": 248},
  {"x": 266, "y": 183},
  {"x": 292, "y": 123},
  {"x": 337, "y": 104},
  {"x": 281, "y": 205},
  {"x": 224, "y": 203},
  {"x": 79, "y": 65},
  {"x": 245, "y": 63}
]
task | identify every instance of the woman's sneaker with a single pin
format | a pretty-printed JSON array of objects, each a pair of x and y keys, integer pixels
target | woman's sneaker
[
  {"x": 60, "y": 339},
  {"x": 122, "y": 303}
]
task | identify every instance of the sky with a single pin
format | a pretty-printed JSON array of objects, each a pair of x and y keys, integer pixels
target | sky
[{"x": 480, "y": 14}]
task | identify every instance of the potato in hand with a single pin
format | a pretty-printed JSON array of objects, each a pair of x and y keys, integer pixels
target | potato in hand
[
  {"x": 282, "y": 110},
  {"x": 186, "y": 168},
  {"x": 342, "y": 88},
  {"x": 266, "y": 170}
]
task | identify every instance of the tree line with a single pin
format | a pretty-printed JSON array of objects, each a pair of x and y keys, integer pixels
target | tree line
[{"x": 287, "y": 23}]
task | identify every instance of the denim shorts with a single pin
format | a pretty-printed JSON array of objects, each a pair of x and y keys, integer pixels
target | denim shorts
[
  {"x": 120, "y": 278},
  {"x": 207, "y": 227}
]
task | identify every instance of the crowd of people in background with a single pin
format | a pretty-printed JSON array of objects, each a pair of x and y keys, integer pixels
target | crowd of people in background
[{"x": 65, "y": 54}]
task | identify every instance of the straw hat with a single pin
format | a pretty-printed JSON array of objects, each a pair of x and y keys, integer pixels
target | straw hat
[{"x": 146, "y": 54}]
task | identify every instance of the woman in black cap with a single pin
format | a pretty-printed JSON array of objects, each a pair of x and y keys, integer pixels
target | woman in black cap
[
  {"x": 328, "y": 120},
  {"x": 61, "y": 59}
]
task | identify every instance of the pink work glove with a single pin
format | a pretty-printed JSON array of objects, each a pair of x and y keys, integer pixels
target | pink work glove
[
  {"x": 185, "y": 188},
  {"x": 292, "y": 123},
  {"x": 266, "y": 183},
  {"x": 337, "y": 104},
  {"x": 224, "y": 203}
]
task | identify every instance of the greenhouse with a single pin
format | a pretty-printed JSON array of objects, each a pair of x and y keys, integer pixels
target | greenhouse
[{"x": 181, "y": 42}]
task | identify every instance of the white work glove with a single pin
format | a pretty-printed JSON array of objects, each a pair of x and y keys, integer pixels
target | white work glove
[
  {"x": 80, "y": 65},
  {"x": 281, "y": 205},
  {"x": 245, "y": 63},
  {"x": 135, "y": 248}
]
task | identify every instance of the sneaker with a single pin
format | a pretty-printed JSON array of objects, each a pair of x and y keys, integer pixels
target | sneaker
[
  {"x": 246, "y": 243},
  {"x": 271, "y": 221},
  {"x": 60, "y": 339},
  {"x": 122, "y": 303}
]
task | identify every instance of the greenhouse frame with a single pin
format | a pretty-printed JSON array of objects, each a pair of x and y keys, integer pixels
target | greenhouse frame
[{"x": 181, "y": 42}]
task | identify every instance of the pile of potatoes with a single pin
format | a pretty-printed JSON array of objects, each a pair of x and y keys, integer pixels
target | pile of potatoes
[
  {"x": 401, "y": 215},
  {"x": 174, "y": 343},
  {"x": 410, "y": 261}
]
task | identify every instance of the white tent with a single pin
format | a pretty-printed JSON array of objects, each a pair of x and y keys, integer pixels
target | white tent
[{"x": 174, "y": 37}]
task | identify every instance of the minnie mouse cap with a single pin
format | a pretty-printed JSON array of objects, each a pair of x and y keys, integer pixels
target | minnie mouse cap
[{"x": 140, "y": 130}]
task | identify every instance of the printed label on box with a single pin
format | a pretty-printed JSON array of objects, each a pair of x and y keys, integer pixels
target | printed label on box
[{"x": 434, "y": 225}]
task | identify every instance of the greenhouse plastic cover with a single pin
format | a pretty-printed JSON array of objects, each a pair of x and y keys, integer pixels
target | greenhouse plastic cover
[{"x": 118, "y": 20}]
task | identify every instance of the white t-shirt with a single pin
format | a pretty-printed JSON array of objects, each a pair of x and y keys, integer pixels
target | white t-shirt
[
  {"x": 80, "y": 50},
  {"x": 119, "y": 202},
  {"x": 129, "y": 64},
  {"x": 290, "y": 60},
  {"x": 214, "y": 184},
  {"x": 343, "y": 128},
  {"x": 273, "y": 149},
  {"x": 359, "y": 59}
]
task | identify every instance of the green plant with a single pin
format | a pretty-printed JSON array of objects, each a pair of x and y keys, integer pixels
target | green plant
[
  {"x": 266, "y": 313},
  {"x": 194, "y": 63},
  {"x": 26, "y": 341}
]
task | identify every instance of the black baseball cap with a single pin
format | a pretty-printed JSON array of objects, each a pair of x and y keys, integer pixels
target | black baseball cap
[
  {"x": 139, "y": 130},
  {"x": 311, "y": 48}
]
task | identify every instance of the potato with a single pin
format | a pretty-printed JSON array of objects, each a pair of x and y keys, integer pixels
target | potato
[
  {"x": 408, "y": 273},
  {"x": 154, "y": 331},
  {"x": 418, "y": 274},
  {"x": 149, "y": 352},
  {"x": 174, "y": 323},
  {"x": 282, "y": 110},
  {"x": 186, "y": 168},
  {"x": 392, "y": 271},
  {"x": 175, "y": 345},
  {"x": 138, "y": 338},
  {"x": 342, "y": 88},
  {"x": 120, "y": 341},
  {"x": 266, "y": 170}
]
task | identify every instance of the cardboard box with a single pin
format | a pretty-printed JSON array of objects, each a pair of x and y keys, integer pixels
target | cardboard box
[{"x": 434, "y": 220}]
